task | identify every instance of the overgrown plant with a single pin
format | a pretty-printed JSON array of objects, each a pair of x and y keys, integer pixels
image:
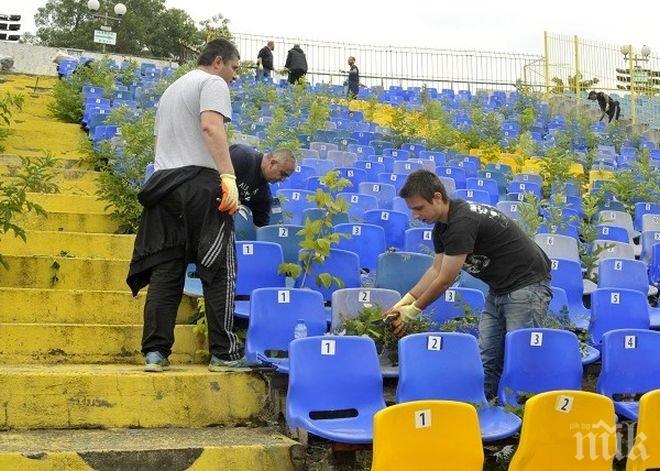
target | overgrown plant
[
  {"x": 639, "y": 183},
  {"x": 34, "y": 175},
  {"x": 318, "y": 237},
  {"x": 9, "y": 103}
]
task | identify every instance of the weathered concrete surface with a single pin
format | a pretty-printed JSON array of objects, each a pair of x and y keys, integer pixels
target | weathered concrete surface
[
  {"x": 107, "y": 396},
  {"x": 249, "y": 449}
]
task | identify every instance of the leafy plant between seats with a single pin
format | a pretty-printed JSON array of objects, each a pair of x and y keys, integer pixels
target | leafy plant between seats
[
  {"x": 8, "y": 104},
  {"x": 33, "y": 175},
  {"x": 318, "y": 237}
]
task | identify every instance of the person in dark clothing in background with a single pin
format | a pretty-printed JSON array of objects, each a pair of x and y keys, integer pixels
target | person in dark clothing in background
[
  {"x": 608, "y": 106},
  {"x": 254, "y": 172},
  {"x": 353, "y": 78},
  {"x": 296, "y": 64},
  {"x": 265, "y": 61}
]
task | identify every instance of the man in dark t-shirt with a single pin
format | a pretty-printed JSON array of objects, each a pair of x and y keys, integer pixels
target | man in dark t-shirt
[
  {"x": 609, "y": 107},
  {"x": 254, "y": 173},
  {"x": 488, "y": 245},
  {"x": 265, "y": 61},
  {"x": 353, "y": 78}
]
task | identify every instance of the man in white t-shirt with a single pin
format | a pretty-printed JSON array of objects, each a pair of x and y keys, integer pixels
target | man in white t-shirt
[{"x": 182, "y": 222}]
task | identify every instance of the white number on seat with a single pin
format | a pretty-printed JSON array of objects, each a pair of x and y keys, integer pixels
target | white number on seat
[
  {"x": 283, "y": 296},
  {"x": 248, "y": 249},
  {"x": 328, "y": 347},
  {"x": 564, "y": 404},
  {"x": 434, "y": 342},
  {"x": 423, "y": 418},
  {"x": 536, "y": 339}
]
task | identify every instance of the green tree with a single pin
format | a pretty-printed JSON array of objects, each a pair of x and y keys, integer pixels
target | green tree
[{"x": 172, "y": 27}]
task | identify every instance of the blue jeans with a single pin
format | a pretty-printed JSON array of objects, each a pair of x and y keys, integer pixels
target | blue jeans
[{"x": 516, "y": 310}]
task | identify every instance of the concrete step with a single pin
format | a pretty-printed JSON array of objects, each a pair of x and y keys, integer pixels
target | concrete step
[
  {"x": 64, "y": 273},
  {"x": 76, "y": 244},
  {"x": 88, "y": 344},
  {"x": 69, "y": 181},
  {"x": 60, "y": 162},
  {"x": 173, "y": 449},
  {"x": 60, "y": 306},
  {"x": 59, "y": 202},
  {"x": 106, "y": 396},
  {"x": 69, "y": 222}
]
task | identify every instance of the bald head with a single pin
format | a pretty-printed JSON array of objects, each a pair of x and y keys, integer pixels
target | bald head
[{"x": 278, "y": 165}]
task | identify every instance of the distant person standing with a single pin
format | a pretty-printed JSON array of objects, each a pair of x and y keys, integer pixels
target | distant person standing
[
  {"x": 296, "y": 63},
  {"x": 353, "y": 78},
  {"x": 608, "y": 106},
  {"x": 265, "y": 61}
]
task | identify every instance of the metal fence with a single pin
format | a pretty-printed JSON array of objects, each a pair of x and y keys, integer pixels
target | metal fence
[{"x": 392, "y": 65}]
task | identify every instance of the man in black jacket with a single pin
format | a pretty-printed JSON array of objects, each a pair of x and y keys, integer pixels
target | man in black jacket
[
  {"x": 265, "y": 61},
  {"x": 296, "y": 63},
  {"x": 609, "y": 107},
  {"x": 254, "y": 172}
]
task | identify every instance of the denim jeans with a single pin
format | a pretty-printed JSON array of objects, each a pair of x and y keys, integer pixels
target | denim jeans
[{"x": 516, "y": 310}]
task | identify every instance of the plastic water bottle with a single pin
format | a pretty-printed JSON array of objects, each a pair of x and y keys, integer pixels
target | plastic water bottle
[{"x": 301, "y": 330}]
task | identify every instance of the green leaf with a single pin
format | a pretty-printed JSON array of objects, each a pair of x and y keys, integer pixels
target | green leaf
[{"x": 324, "y": 279}]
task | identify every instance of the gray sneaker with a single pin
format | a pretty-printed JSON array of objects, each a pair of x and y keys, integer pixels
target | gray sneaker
[
  {"x": 155, "y": 362},
  {"x": 216, "y": 364}
]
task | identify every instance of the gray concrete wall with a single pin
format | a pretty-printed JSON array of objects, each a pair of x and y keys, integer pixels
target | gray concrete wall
[{"x": 38, "y": 60}]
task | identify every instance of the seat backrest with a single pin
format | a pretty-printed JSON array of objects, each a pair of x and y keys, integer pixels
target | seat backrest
[
  {"x": 454, "y": 172},
  {"x": 538, "y": 360},
  {"x": 406, "y": 167},
  {"x": 651, "y": 222},
  {"x": 427, "y": 435},
  {"x": 286, "y": 235},
  {"x": 372, "y": 169},
  {"x": 440, "y": 158},
  {"x": 298, "y": 179},
  {"x": 524, "y": 187},
  {"x": 396, "y": 179},
  {"x": 342, "y": 158},
  {"x": 616, "y": 218},
  {"x": 400, "y": 271},
  {"x": 341, "y": 264},
  {"x": 613, "y": 233},
  {"x": 567, "y": 274},
  {"x": 643, "y": 208},
  {"x": 630, "y": 362},
  {"x": 645, "y": 453},
  {"x": 347, "y": 302},
  {"x": 394, "y": 223},
  {"x": 476, "y": 196},
  {"x": 293, "y": 203},
  {"x": 258, "y": 263},
  {"x": 333, "y": 373},
  {"x": 366, "y": 240},
  {"x": 244, "y": 227},
  {"x": 359, "y": 203},
  {"x": 440, "y": 365},
  {"x": 623, "y": 273},
  {"x": 398, "y": 154},
  {"x": 454, "y": 303},
  {"x": 486, "y": 184},
  {"x": 647, "y": 240},
  {"x": 511, "y": 209},
  {"x": 323, "y": 148},
  {"x": 558, "y": 246},
  {"x": 617, "y": 308},
  {"x": 322, "y": 166},
  {"x": 420, "y": 240},
  {"x": 556, "y": 429},
  {"x": 274, "y": 313},
  {"x": 384, "y": 192},
  {"x": 612, "y": 249}
]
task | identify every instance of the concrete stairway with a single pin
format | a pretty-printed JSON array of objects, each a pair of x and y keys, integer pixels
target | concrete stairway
[{"x": 72, "y": 391}]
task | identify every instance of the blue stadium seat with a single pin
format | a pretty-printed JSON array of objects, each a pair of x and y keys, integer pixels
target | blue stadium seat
[
  {"x": 455, "y": 173},
  {"x": 644, "y": 208},
  {"x": 475, "y": 196},
  {"x": 396, "y": 179},
  {"x": 257, "y": 266},
  {"x": 335, "y": 387},
  {"x": 487, "y": 184},
  {"x": 384, "y": 192},
  {"x": 274, "y": 313},
  {"x": 613, "y": 233},
  {"x": 453, "y": 302},
  {"x": 387, "y": 162},
  {"x": 400, "y": 271},
  {"x": 358, "y": 204},
  {"x": 448, "y": 366},
  {"x": 321, "y": 166},
  {"x": 538, "y": 360},
  {"x": 347, "y": 303},
  {"x": 630, "y": 367},
  {"x": 406, "y": 167},
  {"x": 524, "y": 187},
  {"x": 615, "y": 308},
  {"x": 361, "y": 150},
  {"x": 439, "y": 158},
  {"x": 286, "y": 235},
  {"x": 244, "y": 228},
  {"x": 323, "y": 148},
  {"x": 379, "y": 145},
  {"x": 397, "y": 154},
  {"x": 298, "y": 179},
  {"x": 511, "y": 209},
  {"x": 528, "y": 178},
  {"x": 353, "y": 175},
  {"x": 372, "y": 169},
  {"x": 342, "y": 158},
  {"x": 419, "y": 239},
  {"x": 567, "y": 274},
  {"x": 414, "y": 148},
  {"x": 394, "y": 223},
  {"x": 367, "y": 240},
  {"x": 499, "y": 177},
  {"x": 293, "y": 203},
  {"x": 340, "y": 263},
  {"x": 647, "y": 240}
]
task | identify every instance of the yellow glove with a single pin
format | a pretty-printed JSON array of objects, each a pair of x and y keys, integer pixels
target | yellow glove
[
  {"x": 408, "y": 312},
  {"x": 229, "y": 201},
  {"x": 407, "y": 299}
]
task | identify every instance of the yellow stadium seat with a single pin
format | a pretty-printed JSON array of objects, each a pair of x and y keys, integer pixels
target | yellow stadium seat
[
  {"x": 646, "y": 452},
  {"x": 427, "y": 436},
  {"x": 566, "y": 430},
  {"x": 576, "y": 169},
  {"x": 600, "y": 175}
]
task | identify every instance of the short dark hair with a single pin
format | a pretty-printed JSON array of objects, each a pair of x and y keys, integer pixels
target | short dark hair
[
  {"x": 425, "y": 184},
  {"x": 222, "y": 48},
  {"x": 592, "y": 95}
]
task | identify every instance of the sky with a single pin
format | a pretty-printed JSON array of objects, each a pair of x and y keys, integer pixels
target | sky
[{"x": 505, "y": 25}]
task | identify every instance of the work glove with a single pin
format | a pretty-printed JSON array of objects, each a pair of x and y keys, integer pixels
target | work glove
[
  {"x": 407, "y": 299},
  {"x": 229, "y": 190}
]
